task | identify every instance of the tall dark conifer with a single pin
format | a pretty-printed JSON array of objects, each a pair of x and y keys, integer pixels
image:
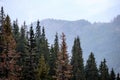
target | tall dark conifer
[
  {"x": 16, "y": 34},
  {"x": 112, "y": 75},
  {"x": 16, "y": 30},
  {"x": 53, "y": 56},
  {"x": 30, "y": 61},
  {"x": 91, "y": 71},
  {"x": 56, "y": 45},
  {"x": 118, "y": 77},
  {"x": 2, "y": 18},
  {"x": 103, "y": 71},
  {"x": 77, "y": 61},
  {"x": 38, "y": 37},
  {"x": 44, "y": 48}
]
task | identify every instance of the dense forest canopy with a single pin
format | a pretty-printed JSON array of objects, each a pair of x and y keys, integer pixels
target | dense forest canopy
[{"x": 27, "y": 55}]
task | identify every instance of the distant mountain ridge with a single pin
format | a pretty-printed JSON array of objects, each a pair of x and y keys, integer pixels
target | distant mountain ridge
[{"x": 103, "y": 39}]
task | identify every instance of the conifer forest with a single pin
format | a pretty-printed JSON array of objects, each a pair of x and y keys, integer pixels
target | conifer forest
[{"x": 25, "y": 54}]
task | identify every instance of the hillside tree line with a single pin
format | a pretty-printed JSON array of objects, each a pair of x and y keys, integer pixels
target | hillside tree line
[{"x": 26, "y": 55}]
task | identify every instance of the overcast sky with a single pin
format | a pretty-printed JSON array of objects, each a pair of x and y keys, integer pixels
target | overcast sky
[{"x": 32, "y": 10}]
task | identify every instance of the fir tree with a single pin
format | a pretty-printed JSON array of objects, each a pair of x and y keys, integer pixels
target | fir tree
[
  {"x": 91, "y": 71},
  {"x": 77, "y": 61},
  {"x": 103, "y": 71}
]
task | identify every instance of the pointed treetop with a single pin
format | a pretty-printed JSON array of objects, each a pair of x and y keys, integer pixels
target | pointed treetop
[
  {"x": 38, "y": 22},
  {"x": 104, "y": 61},
  {"x": 43, "y": 32}
]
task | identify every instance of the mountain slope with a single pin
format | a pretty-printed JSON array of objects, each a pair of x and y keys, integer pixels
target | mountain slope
[{"x": 103, "y": 39}]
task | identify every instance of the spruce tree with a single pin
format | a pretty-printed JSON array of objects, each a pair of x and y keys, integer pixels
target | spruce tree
[
  {"x": 91, "y": 71},
  {"x": 2, "y": 18},
  {"x": 103, "y": 70},
  {"x": 44, "y": 48},
  {"x": 16, "y": 34},
  {"x": 16, "y": 30},
  {"x": 118, "y": 77},
  {"x": 9, "y": 69},
  {"x": 22, "y": 41},
  {"x": 42, "y": 69},
  {"x": 56, "y": 45},
  {"x": 53, "y": 56},
  {"x": 30, "y": 60},
  {"x": 63, "y": 68},
  {"x": 52, "y": 61},
  {"x": 77, "y": 61},
  {"x": 112, "y": 75},
  {"x": 22, "y": 46},
  {"x": 38, "y": 37}
]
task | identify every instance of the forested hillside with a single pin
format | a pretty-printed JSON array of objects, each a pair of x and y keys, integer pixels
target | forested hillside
[{"x": 25, "y": 54}]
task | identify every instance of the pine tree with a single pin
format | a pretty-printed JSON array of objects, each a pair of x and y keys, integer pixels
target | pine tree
[
  {"x": 42, "y": 69},
  {"x": 9, "y": 69},
  {"x": 112, "y": 75},
  {"x": 103, "y": 71},
  {"x": 91, "y": 71},
  {"x": 63, "y": 69},
  {"x": 77, "y": 61}
]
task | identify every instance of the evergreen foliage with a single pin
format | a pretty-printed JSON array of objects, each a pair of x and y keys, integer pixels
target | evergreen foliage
[
  {"x": 25, "y": 55},
  {"x": 77, "y": 61},
  {"x": 103, "y": 71},
  {"x": 42, "y": 70},
  {"x": 38, "y": 38},
  {"x": 63, "y": 68},
  {"x": 91, "y": 71},
  {"x": 112, "y": 75},
  {"x": 30, "y": 60},
  {"x": 118, "y": 77},
  {"x": 16, "y": 34},
  {"x": 9, "y": 70},
  {"x": 53, "y": 56}
]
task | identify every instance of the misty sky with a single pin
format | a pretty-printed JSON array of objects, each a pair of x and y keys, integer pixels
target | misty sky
[{"x": 32, "y": 10}]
